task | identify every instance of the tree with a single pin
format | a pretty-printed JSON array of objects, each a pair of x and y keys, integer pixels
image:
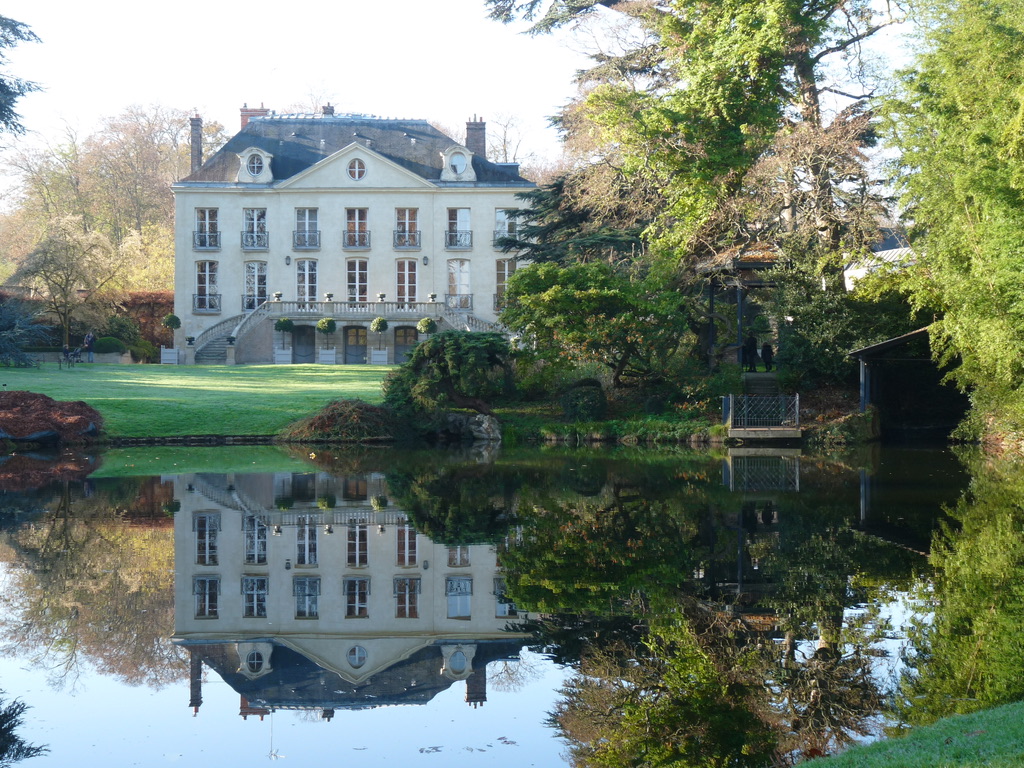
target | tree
[
  {"x": 74, "y": 270},
  {"x": 590, "y": 313},
  {"x": 454, "y": 368},
  {"x": 12, "y": 88},
  {"x": 957, "y": 117},
  {"x": 19, "y": 327},
  {"x": 13, "y": 748}
]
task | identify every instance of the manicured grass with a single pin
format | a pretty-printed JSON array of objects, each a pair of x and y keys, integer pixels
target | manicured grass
[
  {"x": 175, "y": 400},
  {"x": 993, "y": 738},
  {"x": 176, "y": 460}
]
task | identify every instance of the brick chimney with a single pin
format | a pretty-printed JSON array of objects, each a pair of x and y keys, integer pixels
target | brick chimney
[
  {"x": 196, "y": 142},
  {"x": 476, "y": 137},
  {"x": 249, "y": 112},
  {"x": 328, "y": 110}
]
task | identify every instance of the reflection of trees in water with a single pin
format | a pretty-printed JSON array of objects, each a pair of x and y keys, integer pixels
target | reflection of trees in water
[
  {"x": 767, "y": 661},
  {"x": 90, "y": 584},
  {"x": 12, "y": 747},
  {"x": 969, "y": 639}
]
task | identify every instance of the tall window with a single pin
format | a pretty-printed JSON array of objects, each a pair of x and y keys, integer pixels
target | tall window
[
  {"x": 206, "y": 297},
  {"x": 407, "y": 233},
  {"x": 254, "y": 228},
  {"x": 307, "y": 593},
  {"x": 255, "y": 285},
  {"x": 503, "y": 606},
  {"x": 356, "y": 279},
  {"x": 305, "y": 553},
  {"x": 357, "y": 595},
  {"x": 357, "y": 545},
  {"x": 458, "y": 557},
  {"x": 206, "y": 525},
  {"x": 459, "y": 296},
  {"x": 307, "y": 232},
  {"x": 207, "y": 232},
  {"x": 406, "y": 546},
  {"x": 504, "y": 223},
  {"x": 405, "y": 279},
  {"x": 357, "y": 231},
  {"x": 255, "y": 533},
  {"x": 407, "y": 593},
  {"x": 254, "y": 597},
  {"x": 459, "y": 234},
  {"x": 459, "y": 594},
  {"x": 505, "y": 268},
  {"x": 206, "y": 590},
  {"x": 305, "y": 282}
]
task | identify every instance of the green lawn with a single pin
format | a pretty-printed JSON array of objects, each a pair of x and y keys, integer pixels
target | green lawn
[
  {"x": 171, "y": 400},
  {"x": 993, "y": 738}
]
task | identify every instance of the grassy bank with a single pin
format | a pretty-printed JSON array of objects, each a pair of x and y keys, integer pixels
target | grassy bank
[
  {"x": 173, "y": 400},
  {"x": 993, "y": 738}
]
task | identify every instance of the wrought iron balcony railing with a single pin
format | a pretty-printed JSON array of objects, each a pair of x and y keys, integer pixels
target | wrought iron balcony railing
[
  {"x": 459, "y": 239},
  {"x": 206, "y": 302},
  {"x": 306, "y": 240},
  {"x": 206, "y": 241},
  {"x": 255, "y": 241},
  {"x": 355, "y": 239},
  {"x": 407, "y": 239}
]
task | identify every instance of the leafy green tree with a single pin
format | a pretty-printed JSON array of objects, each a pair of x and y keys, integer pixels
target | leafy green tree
[
  {"x": 13, "y": 88},
  {"x": 75, "y": 270},
  {"x": 957, "y": 118},
  {"x": 590, "y": 313},
  {"x": 458, "y": 369}
]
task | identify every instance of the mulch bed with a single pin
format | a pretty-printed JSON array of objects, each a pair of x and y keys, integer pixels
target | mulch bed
[{"x": 28, "y": 417}]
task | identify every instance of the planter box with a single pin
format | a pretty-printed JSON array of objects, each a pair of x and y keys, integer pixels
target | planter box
[
  {"x": 169, "y": 356},
  {"x": 327, "y": 356},
  {"x": 282, "y": 357},
  {"x": 378, "y": 357}
]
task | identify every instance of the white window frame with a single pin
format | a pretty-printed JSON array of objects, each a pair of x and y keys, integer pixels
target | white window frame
[
  {"x": 207, "y": 591},
  {"x": 306, "y": 590},
  {"x": 255, "y": 533},
  {"x": 405, "y": 281},
  {"x": 254, "y": 596},
  {"x": 357, "y": 597}
]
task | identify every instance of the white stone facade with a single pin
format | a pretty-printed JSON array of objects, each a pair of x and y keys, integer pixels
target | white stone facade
[{"x": 307, "y": 217}]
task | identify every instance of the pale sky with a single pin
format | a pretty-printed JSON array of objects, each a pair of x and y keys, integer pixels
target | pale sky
[{"x": 443, "y": 61}]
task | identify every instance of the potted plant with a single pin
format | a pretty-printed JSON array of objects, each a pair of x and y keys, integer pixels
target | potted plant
[
  {"x": 326, "y": 326},
  {"x": 378, "y": 325},
  {"x": 190, "y": 340},
  {"x": 284, "y": 325}
]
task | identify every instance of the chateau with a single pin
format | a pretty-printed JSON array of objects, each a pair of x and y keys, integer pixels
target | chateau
[{"x": 319, "y": 217}]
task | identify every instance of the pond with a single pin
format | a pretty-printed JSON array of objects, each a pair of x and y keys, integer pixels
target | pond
[{"x": 502, "y": 607}]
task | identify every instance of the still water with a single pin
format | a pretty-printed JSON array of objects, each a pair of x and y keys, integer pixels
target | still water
[{"x": 496, "y": 608}]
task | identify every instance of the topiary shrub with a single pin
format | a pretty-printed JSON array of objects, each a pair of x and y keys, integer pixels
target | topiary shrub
[
  {"x": 284, "y": 324},
  {"x": 326, "y": 325},
  {"x": 427, "y": 325},
  {"x": 108, "y": 344},
  {"x": 173, "y": 322},
  {"x": 584, "y": 401}
]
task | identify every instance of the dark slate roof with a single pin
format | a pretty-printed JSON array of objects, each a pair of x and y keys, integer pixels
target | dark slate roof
[
  {"x": 298, "y": 682},
  {"x": 300, "y": 141},
  {"x": 892, "y": 239}
]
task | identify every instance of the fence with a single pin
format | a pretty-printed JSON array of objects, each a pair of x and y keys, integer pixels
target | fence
[{"x": 759, "y": 411}]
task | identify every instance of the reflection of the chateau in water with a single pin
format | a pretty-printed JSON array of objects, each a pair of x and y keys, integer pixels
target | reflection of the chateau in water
[{"x": 310, "y": 591}]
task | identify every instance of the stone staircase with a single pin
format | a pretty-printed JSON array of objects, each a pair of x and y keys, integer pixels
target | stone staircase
[
  {"x": 760, "y": 384},
  {"x": 213, "y": 353}
]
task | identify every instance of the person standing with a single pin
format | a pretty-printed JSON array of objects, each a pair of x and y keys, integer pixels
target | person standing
[
  {"x": 767, "y": 355},
  {"x": 750, "y": 353},
  {"x": 88, "y": 342}
]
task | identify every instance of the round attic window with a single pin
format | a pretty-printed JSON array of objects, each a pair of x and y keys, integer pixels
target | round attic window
[
  {"x": 254, "y": 661},
  {"x": 457, "y": 162},
  {"x": 356, "y": 656},
  {"x": 254, "y": 165},
  {"x": 357, "y": 169}
]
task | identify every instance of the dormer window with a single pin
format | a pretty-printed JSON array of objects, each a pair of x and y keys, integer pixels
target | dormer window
[
  {"x": 356, "y": 169},
  {"x": 254, "y": 165},
  {"x": 458, "y": 162}
]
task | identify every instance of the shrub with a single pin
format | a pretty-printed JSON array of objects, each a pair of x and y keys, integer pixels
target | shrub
[
  {"x": 284, "y": 324},
  {"x": 343, "y": 421},
  {"x": 144, "y": 352},
  {"x": 173, "y": 322},
  {"x": 123, "y": 328},
  {"x": 584, "y": 401},
  {"x": 378, "y": 325},
  {"x": 107, "y": 344},
  {"x": 325, "y": 325},
  {"x": 427, "y": 325}
]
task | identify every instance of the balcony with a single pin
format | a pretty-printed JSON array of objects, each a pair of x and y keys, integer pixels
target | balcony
[
  {"x": 462, "y": 302},
  {"x": 458, "y": 240},
  {"x": 500, "y": 302},
  {"x": 249, "y": 303},
  {"x": 407, "y": 239},
  {"x": 355, "y": 240},
  {"x": 206, "y": 303},
  {"x": 206, "y": 241},
  {"x": 255, "y": 241},
  {"x": 306, "y": 240},
  {"x": 503, "y": 233}
]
